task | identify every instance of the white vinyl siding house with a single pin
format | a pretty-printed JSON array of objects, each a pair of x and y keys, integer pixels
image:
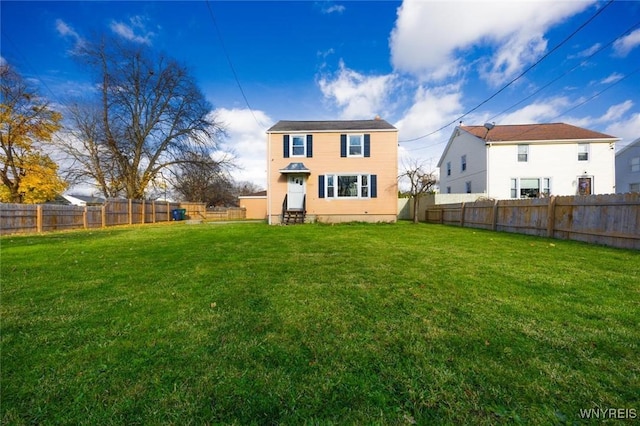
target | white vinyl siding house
[
  {"x": 523, "y": 161},
  {"x": 628, "y": 168}
]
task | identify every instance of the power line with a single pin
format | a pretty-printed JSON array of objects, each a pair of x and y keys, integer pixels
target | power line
[
  {"x": 233, "y": 70},
  {"x": 518, "y": 77}
]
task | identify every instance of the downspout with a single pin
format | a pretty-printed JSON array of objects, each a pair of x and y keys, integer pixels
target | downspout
[
  {"x": 488, "y": 169},
  {"x": 269, "y": 190}
]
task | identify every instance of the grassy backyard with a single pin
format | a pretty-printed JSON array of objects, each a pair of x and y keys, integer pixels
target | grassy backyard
[{"x": 355, "y": 324}]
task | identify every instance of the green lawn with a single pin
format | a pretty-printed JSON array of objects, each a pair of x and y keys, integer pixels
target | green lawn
[{"x": 347, "y": 324}]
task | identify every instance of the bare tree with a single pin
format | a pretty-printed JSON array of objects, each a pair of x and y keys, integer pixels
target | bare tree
[
  {"x": 149, "y": 116},
  {"x": 420, "y": 180},
  {"x": 205, "y": 180}
]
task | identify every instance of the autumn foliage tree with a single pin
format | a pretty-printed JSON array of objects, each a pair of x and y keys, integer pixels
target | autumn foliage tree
[{"x": 26, "y": 123}]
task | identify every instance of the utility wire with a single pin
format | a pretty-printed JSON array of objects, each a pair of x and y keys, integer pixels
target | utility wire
[
  {"x": 233, "y": 70},
  {"x": 518, "y": 77},
  {"x": 631, "y": 28}
]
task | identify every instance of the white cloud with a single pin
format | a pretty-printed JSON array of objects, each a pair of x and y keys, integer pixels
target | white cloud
[
  {"x": 335, "y": 8},
  {"x": 626, "y": 129},
  {"x": 626, "y": 44},
  {"x": 3, "y": 61},
  {"x": 538, "y": 112},
  {"x": 431, "y": 38},
  {"x": 587, "y": 52},
  {"x": 128, "y": 31},
  {"x": 612, "y": 78},
  {"x": 359, "y": 96},
  {"x": 246, "y": 140},
  {"x": 432, "y": 107},
  {"x": 616, "y": 112},
  {"x": 65, "y": 30}
]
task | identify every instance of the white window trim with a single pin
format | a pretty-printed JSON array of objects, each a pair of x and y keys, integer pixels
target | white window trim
[
  {"x": 541, "y": 186},
  {"x": 588, "y": 152},
  {"x": 358, "y": 195},
  {"x": 349, "y": 136},
  {"x": 304, "y": 145},
  {"x": 634, "y": 162},
  {"x": 526, "y": 154}
]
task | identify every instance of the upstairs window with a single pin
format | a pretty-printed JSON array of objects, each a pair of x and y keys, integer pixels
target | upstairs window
[
  {"x": 449, "y": 168},
  {"x": 463, "y": 163},
  {"x": 583, "y": 152},
  {"x": 355, "y": 145},
  {"x": 635, "y": 164},
  {"x": 298, "y": 146},
  {"x": 523, "y": 153}
]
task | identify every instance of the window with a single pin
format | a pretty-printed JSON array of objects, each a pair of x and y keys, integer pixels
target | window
[
  {"x": 348, "y": 186},
  {"x": 468, "y": 187},
  {"x": 331, "y": 186},
  {"x": 355, "y": 145},
  {"x": 530, "y": 187},
  {"x": 298, "y": 145},
  {"x": 449, "y": 168},
  {"x": 448, "y": 190},
  {"x": 523, "y": 153},
  {"x": 634, "y": 187},
  {"x": 583, "y": 152},
  {"x": 463, "y": 161},
  {"x": 635, "y": 164}
]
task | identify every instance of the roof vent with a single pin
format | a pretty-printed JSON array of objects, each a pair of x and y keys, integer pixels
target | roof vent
[{"x": 489, "y": 126}]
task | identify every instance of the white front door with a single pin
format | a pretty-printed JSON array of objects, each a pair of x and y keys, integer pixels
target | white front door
[{"x": 295, "y": 192}]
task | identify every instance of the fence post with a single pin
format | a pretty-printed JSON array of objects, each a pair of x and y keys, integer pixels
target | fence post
[
  {"x": 130, "y": 211},
  {"x": 168, "y": 212},
  {"x": 551, "y": 216},
  {"x": 462, "y": 215},
  {"x": 39, "y": 218},
  {"x": 104, "y": 215},
  {"x": 494, "y": 224},
  {"x": 153, "y": 212},
  {"x": 85, "y": 224}
]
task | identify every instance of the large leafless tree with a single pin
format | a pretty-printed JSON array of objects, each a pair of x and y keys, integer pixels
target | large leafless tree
[{"x": 149, "y": 115}]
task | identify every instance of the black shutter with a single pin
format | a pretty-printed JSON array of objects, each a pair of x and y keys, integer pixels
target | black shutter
[
  {"x": 309, "y": 146},
  {"x": 373, "y": 191},
  {"x": 321, "y": 186},
  {"x": 367, "y": 145},
  {"x": 343, "y": 145},
  {"x": 285, "y": 145}
]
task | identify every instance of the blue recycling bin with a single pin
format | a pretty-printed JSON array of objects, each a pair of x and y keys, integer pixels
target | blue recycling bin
[{"x": 178, "y": 214}]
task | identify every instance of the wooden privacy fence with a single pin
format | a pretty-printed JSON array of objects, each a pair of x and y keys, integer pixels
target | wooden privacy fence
[
  {"x": 612, "y": 220},
  {"x": 25, "y": 218}
]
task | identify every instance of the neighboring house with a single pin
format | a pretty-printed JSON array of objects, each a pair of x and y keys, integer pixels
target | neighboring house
[
  {"x": 332, "y": 171},
  {"x": 255, "y": 205},
  {"x": 628, "y": 168},
  {"x": 528, "y": 161},
  {"x": 83, "y": 200}
]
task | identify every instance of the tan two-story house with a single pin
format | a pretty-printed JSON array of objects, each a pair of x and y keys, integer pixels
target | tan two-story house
[{"x": 332, "y": 171}]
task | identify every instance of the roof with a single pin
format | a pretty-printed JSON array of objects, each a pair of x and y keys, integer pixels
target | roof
[
  {"x": 634, "y": 144},
  {"x": 254, "y": 194},
  {"x": 534, "y": 132},
  {"x": 295, "y": 168},
  {"x": 333, "y": 125}
]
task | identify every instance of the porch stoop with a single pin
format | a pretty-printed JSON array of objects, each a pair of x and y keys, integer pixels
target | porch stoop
[{"x": 292, "y": 217}]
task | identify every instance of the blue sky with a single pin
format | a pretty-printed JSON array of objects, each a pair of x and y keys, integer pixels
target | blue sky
[{"x": 420, "y": 65}]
